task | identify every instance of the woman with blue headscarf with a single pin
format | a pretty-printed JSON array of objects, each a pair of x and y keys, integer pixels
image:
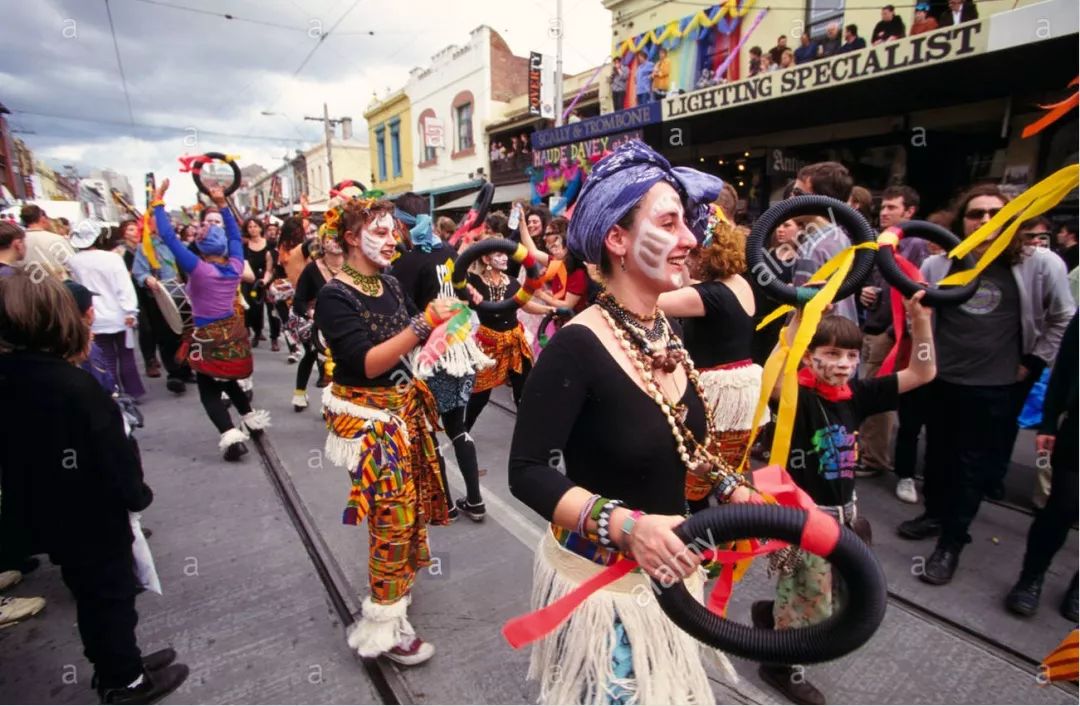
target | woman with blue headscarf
[
  {"x": 616, "y": 401},
  {"x": 218, "y": 349}
]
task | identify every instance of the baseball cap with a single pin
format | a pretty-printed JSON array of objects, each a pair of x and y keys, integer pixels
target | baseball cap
[
  {"x": 84, "y": 298},
  {"x": 925, "y": 7}
]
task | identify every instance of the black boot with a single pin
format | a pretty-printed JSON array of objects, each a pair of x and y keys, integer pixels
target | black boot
[
  {"x": 922, "y": 527},
  {"x": 792, "y": 683},
  {"x": 1068, "y": 603},
  {"x": 153, "y": 662},
  {"x": 1023, "y": 599},
  {"x": 154, "y": 687},
  {"x": 941, "y": 565}
]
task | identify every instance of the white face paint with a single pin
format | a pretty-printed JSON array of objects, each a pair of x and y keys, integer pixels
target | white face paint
[
  {"x": 499, "y": 261},
  {"x": 834, "y": 366},
  {"x": 375, "y": 236},
  {"x": 653, "y": 243}
]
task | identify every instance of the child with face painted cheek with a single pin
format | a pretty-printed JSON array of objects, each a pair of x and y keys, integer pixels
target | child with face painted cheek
[{"x": 824, "y": 452}]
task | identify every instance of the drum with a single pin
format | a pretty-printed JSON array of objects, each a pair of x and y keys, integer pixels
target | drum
[
  {"x": 280, "y": 290},
  {"x": 175, "y": 306}
]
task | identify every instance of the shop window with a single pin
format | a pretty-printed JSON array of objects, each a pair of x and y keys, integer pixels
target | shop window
[
  {"x": 462, "y": 110},
  {"x": 819, "y": 14},
  {"x": 428, "y": 154},
  {"x": 380, "y": 151},
  {"x": 395, "y": 147}
]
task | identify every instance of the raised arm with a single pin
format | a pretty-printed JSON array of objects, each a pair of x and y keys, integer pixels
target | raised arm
[
  {"x": 184, "y": 257},
  {"x": 922, "y": 367}
]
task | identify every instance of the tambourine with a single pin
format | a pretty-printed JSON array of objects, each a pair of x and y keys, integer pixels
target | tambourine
[
  {"x": 517, "y": 252},
  {"x": 347, "y": 184},
  {"x": 477, "y": 212},
  {"x": 894, "y": 275},
  {"x": 843, "y": 632},
  {"x": 856, "y": 227},
  {"x": 195, "y": 164}
]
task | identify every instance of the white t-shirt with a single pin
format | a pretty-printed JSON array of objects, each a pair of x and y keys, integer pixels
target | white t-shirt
[{"x": 104, "y": 273}]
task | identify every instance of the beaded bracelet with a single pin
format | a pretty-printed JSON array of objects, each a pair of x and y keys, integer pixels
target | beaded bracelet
[
  {"x": 603, "y": 523},
  {"x": 586, "y": 509},
  {"x": 727, "y": 485},
  {"x": 420, "y": 327}
]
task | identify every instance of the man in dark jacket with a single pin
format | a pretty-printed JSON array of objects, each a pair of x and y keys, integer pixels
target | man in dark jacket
[{"x": 959, "y": 11}]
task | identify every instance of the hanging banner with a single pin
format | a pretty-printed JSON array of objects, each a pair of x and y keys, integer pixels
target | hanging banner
[
  {"x": 536, "y": 68},
  {"x": 609, "y": 123}
]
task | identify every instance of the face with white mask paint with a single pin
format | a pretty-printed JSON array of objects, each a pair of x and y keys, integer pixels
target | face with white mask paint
[
  {"x": 498, "y": 261},
  {"x": 659, "y": 240},
  {"x": 377, "y": 240}
]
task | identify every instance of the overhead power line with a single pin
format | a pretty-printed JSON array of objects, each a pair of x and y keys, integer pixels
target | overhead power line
[
  {"x": 224, "y": 15},
  {"x": 171, "y": 128},
  {"x": 119, "y": 63}
]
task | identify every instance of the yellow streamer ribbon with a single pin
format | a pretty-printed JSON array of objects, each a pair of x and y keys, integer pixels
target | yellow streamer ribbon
[
  {"x": 147, "y": 246},
  {"x": 1034, "y": 202}
]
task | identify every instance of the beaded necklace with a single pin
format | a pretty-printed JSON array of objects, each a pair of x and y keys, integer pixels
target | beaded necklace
[
  {"x": 368, "y": 284},
  {"x": 665, "y": 352},
  {"x": 696, "y": 456},
  {"x": 498, "y": 291}
]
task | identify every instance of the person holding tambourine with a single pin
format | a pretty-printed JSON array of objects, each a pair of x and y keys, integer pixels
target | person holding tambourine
[
  {"x": 500, "y": 336},
  {"x": 217, "y": 349},
  {"x": 381, "y": 420}
]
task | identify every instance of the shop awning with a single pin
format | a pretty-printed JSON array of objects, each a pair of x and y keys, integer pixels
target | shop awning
[{"x": 507, "y": 193}]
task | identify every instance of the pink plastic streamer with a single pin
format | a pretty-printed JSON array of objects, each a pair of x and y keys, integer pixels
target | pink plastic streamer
[
  {"x": 581, "y": 92},
  {"x": 722, "y": 68}
]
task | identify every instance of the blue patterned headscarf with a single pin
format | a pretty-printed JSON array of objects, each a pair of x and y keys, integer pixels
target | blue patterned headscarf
[
  {"x": 620, "y": 180},
  {"x": 214, "y": 242}
]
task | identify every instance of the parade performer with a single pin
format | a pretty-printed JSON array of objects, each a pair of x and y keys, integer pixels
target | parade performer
[
  {"x": 292, "y": 253},
  {"x": 616, "y": 397},
  {"x": 217, "y": 349},
  {"x": 824, "y": 454},
  {"x": 259, "y": 256},
  {"x": 381, "y": 420},
  {"x": 718, "y": 332},
  {"x": 424, "y": 273},
  {"x": 311, "y": 280},
  {"x": 501, "y": 336}
]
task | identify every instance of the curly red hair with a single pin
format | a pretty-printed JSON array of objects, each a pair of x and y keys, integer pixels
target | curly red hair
[{"x": 725, "y": 255}]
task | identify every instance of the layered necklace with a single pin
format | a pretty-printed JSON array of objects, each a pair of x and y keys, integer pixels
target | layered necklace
[
  {"x": 367, "y": 284},
  {"x": 665, "y": 352},
  {"x": 498, "y": 289}
]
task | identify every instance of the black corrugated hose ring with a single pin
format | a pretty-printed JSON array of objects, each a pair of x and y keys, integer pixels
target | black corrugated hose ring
[
  {"x": 856, "y": 227},
  {"x": 935, "y": 296},
  {"x": 474, "y": 252},
  {"x": 196, "y": 173},
  {"x": 843, "y": 632}
]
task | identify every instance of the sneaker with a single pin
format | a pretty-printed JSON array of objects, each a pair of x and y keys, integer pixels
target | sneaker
[
  {"x": 9, "y": 579},
  {"x": 152, "y": 686},
  {"x": 175, "y": 385},
  {"x": 275, "y": 346},
  {"x": 153, "y": 368},
  {"x": 1069, "y": 602},
  {"x": 905, "y": 490},
  {"x": 1023, "y": 599},
  {"x": 293, "y": 358},
  {"x": 473, "y": 512},
  {"x": 411, "y": 652},
  {"x": 299, "y": 401},
  {"x": 453, "y": 515},
  {"x": 797, "y": 689},
  {"x": 12, "y": 609},
  {"x": 153, "y": 662},
  {"x": 922, "y": 527}
]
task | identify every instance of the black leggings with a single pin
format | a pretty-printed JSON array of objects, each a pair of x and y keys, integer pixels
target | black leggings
[
  {"x": 255, "y": 316},
  {"x": 465, "y": 452},
  {"x": 479, "y": 400},
  {"x": 1051, "y": 526},
  {"x": 210, "y": 395},
  {"x": 303, "y": 370}
]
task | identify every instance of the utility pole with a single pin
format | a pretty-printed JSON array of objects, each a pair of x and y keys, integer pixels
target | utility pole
[
  {"x": 328, "y": 128},
  {"x": 558, "y": 64}
]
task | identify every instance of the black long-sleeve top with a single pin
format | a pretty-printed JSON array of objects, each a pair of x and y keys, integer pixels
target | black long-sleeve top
[
  {"x": 68, "y": 472},
  {"x": 581, "y": 406},
  {"x": 1061, "y": 390},
  {"x": 500, "y": 320},
  {"x": 353, "y": 323},
  {"x": 308, "y": 284}
]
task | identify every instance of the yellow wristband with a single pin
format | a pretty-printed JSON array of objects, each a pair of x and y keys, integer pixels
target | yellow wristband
[{"x": 158, "y": 202}]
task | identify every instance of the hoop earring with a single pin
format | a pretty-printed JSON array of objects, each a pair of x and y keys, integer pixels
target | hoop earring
[{"x": 622, "y": 263}]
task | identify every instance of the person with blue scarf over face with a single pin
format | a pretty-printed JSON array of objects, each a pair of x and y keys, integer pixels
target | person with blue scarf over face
[
  {"x": 218, "y": 348},
  {"x": 616, "y": 396},
  {"x": 424, "y": 273}
]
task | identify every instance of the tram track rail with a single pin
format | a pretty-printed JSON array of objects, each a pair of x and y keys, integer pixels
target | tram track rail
[{"x": 384, "y": 678}]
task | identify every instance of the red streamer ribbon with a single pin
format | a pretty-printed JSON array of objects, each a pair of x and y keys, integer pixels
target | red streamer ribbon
[
  {"x": 901, "y": 350},
  {"x": 1056, "y": 112},
  {"x": 819, "y": 536}
]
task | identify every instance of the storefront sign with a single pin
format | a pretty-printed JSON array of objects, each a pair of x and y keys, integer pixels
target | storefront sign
[
  {"x": 912, "y": 52},
  {"x": 591, "y": 128},
  {"x": 581, "y": 153},
  {"x": 781, "y": 163}
]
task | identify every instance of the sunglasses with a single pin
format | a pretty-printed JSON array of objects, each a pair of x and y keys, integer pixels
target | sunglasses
[
  {"x": 1041, "y": 234},
  {"x": 977, "y": 214}
]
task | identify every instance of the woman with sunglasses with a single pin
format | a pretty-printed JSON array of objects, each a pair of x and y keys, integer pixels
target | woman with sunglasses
[{"x": 990, "y": 350}]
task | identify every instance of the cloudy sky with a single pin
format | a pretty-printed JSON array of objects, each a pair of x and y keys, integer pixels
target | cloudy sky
[{"x": 193, "y": 74}]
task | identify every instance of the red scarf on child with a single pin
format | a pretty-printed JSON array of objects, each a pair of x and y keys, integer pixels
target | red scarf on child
[{"x": 833, "y": 393}]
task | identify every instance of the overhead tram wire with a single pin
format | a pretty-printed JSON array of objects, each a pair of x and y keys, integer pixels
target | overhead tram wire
[
  {"x": 225, "y": 15},
  {"x": 170, "y": 128},
  {"x": 119, "y": 63}
]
